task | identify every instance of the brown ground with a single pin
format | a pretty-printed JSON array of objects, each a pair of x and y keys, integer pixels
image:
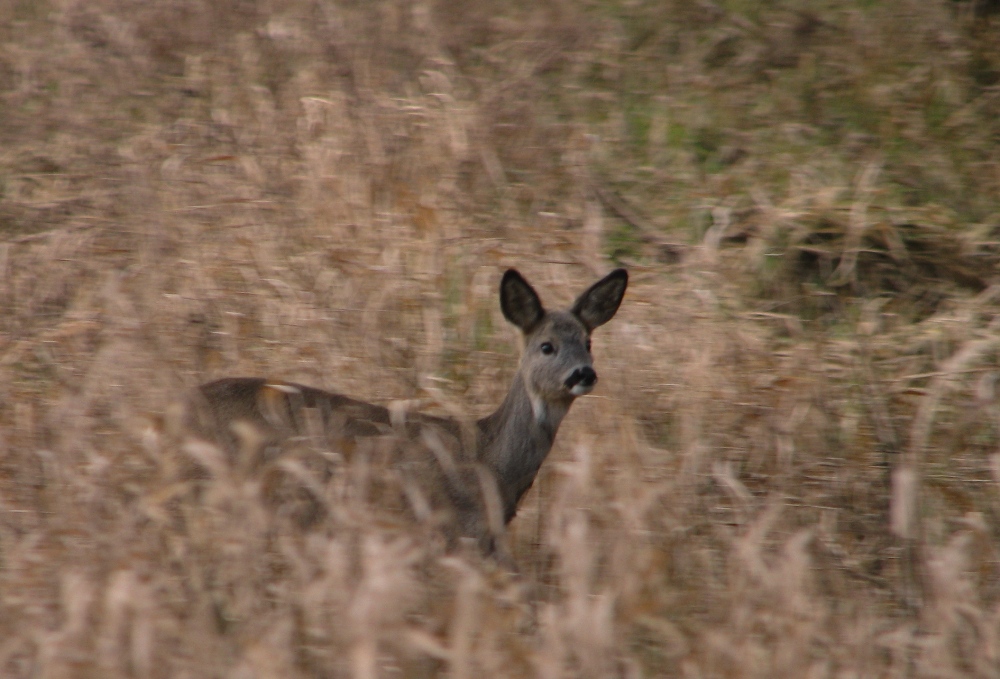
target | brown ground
[{"x": 790, "y": 467}]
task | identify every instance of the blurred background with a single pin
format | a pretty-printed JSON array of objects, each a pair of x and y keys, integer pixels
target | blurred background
[{"x": 790, "y": 467}]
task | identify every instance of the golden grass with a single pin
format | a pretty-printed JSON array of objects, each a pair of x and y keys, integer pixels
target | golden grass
[{"x": 789, "y": 467}]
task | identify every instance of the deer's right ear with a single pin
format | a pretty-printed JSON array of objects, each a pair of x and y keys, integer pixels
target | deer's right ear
[{"x": 519, "y": 301}]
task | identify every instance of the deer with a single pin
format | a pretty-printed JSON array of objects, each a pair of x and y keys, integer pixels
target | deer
[{"x": 475, "y": 472}]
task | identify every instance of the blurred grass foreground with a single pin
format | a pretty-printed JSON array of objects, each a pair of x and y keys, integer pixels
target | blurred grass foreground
[{"x": 790, "y": 466}]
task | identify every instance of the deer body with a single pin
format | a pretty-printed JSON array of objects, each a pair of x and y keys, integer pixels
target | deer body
[{"x": 447, "y": 457}]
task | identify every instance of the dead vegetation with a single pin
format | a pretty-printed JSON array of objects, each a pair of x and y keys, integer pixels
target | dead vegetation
[{"x": 790, "y": 466}]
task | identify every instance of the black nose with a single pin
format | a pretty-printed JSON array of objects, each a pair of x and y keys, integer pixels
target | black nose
[{"x": 584, "y": 376}]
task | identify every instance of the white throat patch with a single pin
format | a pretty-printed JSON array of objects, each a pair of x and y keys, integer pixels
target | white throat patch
[{"x": 539, "y": 408}]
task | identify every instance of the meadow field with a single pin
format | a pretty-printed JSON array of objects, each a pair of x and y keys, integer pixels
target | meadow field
[{"x": 789, "y": 468}]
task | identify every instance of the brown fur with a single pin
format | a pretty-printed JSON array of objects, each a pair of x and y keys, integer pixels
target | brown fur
[{"x": 475, "y": 474}]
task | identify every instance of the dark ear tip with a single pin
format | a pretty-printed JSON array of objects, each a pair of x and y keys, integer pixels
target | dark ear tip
[{"x": 511, "y": 274}]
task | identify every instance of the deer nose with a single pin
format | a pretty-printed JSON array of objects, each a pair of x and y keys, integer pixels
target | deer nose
[{"x": 583, "y": 377}]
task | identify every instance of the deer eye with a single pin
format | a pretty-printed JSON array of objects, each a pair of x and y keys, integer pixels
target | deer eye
[{"x": 547, "y": 348}]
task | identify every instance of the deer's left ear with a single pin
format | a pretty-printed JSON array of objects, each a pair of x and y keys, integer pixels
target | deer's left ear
[{"x": 600, "y": 302}]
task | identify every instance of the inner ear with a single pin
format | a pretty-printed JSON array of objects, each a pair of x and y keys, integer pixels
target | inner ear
[
  {"x": 519, "y": 301},
  {"x": 599, "y": 303}
]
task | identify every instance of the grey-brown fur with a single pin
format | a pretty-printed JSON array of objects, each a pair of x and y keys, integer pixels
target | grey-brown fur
[{"x": 474, "y": 471}]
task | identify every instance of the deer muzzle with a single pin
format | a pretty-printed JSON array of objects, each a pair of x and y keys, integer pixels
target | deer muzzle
[{"x": 581, "y": 381}]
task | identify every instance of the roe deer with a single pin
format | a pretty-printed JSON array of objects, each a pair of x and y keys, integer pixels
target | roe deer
[{"x": 477, "y": 473}]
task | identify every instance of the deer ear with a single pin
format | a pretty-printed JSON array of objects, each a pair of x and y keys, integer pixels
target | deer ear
[
  {"x": 519, "y": 301},
  {"x": 598, "y": 304}
]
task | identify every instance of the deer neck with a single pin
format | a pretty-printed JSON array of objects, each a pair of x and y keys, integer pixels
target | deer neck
[{"x": 516, "y": 438}]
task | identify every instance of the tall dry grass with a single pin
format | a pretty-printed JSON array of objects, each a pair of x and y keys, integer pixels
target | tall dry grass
[{"x": 789, "y": 468}]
